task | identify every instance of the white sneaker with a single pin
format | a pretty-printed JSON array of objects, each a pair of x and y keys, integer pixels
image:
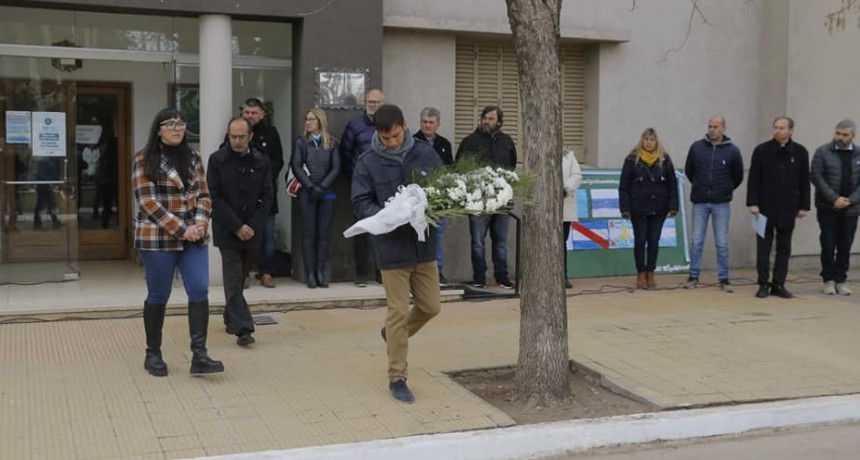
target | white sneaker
[
  {"x": 829, "y": 288},
  {"x": 843, "y": 289}
]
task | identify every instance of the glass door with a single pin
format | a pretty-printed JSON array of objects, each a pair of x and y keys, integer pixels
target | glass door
[
  {"x": 39, "y": 231},
  {"x": 103, "y": 177}
]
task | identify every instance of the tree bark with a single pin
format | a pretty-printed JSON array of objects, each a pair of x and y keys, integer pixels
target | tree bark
[{"x": 542, "y": 371}]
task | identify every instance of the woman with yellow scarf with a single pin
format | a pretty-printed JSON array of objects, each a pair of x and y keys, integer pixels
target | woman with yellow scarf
[{"x": 647, "y": 193}]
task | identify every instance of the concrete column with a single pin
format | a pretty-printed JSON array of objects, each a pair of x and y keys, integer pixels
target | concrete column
[{"x": 216, "y": 98}]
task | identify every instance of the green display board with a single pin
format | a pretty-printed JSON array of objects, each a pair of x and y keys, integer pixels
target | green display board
[{"x": 601, "y": 243}]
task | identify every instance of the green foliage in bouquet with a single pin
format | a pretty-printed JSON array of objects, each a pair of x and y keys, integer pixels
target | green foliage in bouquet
[{"x": 470, "y": 187}]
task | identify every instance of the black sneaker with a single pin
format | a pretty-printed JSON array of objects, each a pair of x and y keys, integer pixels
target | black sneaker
[
  {"x": 726, "y": 285},
  {"x": 762, "y": 292},
  {"x": 361, "y": 282},
  {"x": 780, "y": 291},
  {"x": 505, "y": 283},
  {"x": 384, "y": 336},
  {"x": 567, "y": 284},
  {"x": 691, "y": 282},
  {"x": 245, "y": 339},
  {"x": 479, "y": 283},
  {"x": 401, "y": 392},
  {"x": 442, "y": 280}
]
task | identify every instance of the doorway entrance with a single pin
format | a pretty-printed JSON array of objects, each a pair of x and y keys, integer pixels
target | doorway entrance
[
  {"x": 64, "y": 177},
  {"x": 103, "y": 150}
]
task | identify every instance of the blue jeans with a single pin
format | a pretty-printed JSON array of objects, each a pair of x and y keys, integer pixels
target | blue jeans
[
  {"x": 719, "y": 214},
  {"x": 267, "y": 247},
  {"x": 497, "y": 224},
  {"x": 440, "y": 230},
  {"x": 193, "y": 264}
]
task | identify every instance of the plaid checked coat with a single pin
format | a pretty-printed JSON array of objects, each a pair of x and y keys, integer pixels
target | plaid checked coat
[{"x": 165, "y": 208}]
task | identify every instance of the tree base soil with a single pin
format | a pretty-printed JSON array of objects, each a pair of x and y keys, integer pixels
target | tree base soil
[{"x": 588, "y": 398}]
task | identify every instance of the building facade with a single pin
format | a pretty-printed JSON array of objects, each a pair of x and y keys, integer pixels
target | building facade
[{"x": 108, "y": 65}]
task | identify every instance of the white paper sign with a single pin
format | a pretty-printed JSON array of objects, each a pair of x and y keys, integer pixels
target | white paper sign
[
  {"x": 18, "y": 127},
  {"x": 759, "y": 224},
  {"x": 88, "y": 134},
  {"x": 49, "y": 134}
]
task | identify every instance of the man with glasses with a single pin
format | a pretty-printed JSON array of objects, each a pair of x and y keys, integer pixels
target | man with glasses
[
  {"x": 267, "y": 140},
  {"x": 356, "y": 140},
  {"x": 240, "y": 186}
]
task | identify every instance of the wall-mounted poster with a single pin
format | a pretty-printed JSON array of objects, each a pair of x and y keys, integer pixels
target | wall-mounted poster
[
  {"x": 18, "y": 129},
  {"x": 49, "y": 134}
]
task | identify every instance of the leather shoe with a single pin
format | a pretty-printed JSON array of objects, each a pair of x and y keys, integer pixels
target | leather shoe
[
  {"x": 245, "y": 339},
  {"x": 267, "y": 281},
  {"x": 762, "y": 291},
  {"x": 780, "y": 291},
  {"x": 384, "y": 335}
]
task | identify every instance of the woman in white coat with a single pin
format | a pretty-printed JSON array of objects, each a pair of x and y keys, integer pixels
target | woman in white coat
[{"x": 571, "y": 179}]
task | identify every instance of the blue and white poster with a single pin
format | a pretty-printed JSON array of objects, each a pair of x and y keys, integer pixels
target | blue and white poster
[
  {"x": 18, "y": 129},
  {"x": 49, "y": 134}
]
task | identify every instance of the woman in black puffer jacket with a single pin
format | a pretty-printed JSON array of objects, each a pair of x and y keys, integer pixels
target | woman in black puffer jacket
[
  {"x": 647, "y": 193},
  {"x": 316, "y": 164}
]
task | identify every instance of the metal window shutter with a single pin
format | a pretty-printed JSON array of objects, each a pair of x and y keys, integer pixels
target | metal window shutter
[
  {"x": 486, "y": 74},
  {"x": 573, "y": 103}
]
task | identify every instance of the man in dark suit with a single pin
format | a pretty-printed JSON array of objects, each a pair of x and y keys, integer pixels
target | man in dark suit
[{"x": 778, "y": 188}]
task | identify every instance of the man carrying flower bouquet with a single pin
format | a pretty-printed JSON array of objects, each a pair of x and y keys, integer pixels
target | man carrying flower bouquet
[
  {"x": 492, "y": 147},
  {"x": 408, "y": 265}
]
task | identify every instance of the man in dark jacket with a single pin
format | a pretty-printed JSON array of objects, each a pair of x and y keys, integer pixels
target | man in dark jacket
[
  {"x": 715, "y": 167},
  {"x": 430, "y": 117},
  {"x": 356, "y": 140},
  {"x": 408, "y": 265},
  {"x": 267, "y": 140},
  {"x": 836, "y": 175},
  {"x": 495, "y": 148},
  {"x": 240, "y": 185},
  {"x": 778, "y": 189}
]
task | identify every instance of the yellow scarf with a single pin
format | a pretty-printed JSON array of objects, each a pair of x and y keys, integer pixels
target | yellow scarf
[{"x": 649, "y": 158}]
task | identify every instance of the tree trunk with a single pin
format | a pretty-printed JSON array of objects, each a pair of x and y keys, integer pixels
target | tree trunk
[{"x": 542, "y": 371}]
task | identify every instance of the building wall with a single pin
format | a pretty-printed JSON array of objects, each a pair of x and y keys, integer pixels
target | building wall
[{"x": 821, "y": 89}]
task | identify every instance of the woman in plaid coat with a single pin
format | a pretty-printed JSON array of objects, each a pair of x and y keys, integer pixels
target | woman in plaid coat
[{"x": 170, "y": 231}]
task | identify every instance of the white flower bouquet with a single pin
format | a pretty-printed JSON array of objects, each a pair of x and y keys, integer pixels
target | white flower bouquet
[{"x": 462, "y": 189}]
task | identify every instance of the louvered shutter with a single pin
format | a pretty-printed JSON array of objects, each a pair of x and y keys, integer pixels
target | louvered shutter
[
  {"x": 573, "y": 108},
  {"x": 486, "y": 74}
]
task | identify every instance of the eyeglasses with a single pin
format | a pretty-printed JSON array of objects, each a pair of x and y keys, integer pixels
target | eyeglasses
[{"x": 173, "y": 124}]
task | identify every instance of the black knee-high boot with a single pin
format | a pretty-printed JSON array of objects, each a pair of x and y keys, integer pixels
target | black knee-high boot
[
  {"x": 198, "y": 326},
  {"x": 153, "y": 321}
]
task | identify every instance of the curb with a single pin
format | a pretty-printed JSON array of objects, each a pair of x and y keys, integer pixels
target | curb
[{"x": 549, "y": 439}]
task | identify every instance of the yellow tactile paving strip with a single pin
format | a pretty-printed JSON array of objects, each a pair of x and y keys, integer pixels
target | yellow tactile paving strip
[{"x": 78, "y": 389}]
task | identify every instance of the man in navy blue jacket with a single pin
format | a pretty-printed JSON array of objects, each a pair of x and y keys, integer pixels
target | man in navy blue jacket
[
  {"x": 408, "y": 265},
  {"x": 715, "y": 168},
  {"x": 356, "y": 140}
]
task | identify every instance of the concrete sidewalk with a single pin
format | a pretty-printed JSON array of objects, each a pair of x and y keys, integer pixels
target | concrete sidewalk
[{"x": 78, "y": 389}]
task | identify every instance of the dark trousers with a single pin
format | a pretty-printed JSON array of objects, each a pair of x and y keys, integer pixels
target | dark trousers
[
  {"x": 837, "y": 235},
  {"x": 317, "y": 217},
  {"x": 783, "y": 252},
  {"x": 45, "y": 199},
  {"x": 234, "y": 264},
  {"x": 646, "y": 241},
  {"x": 566, "y": 229}
]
